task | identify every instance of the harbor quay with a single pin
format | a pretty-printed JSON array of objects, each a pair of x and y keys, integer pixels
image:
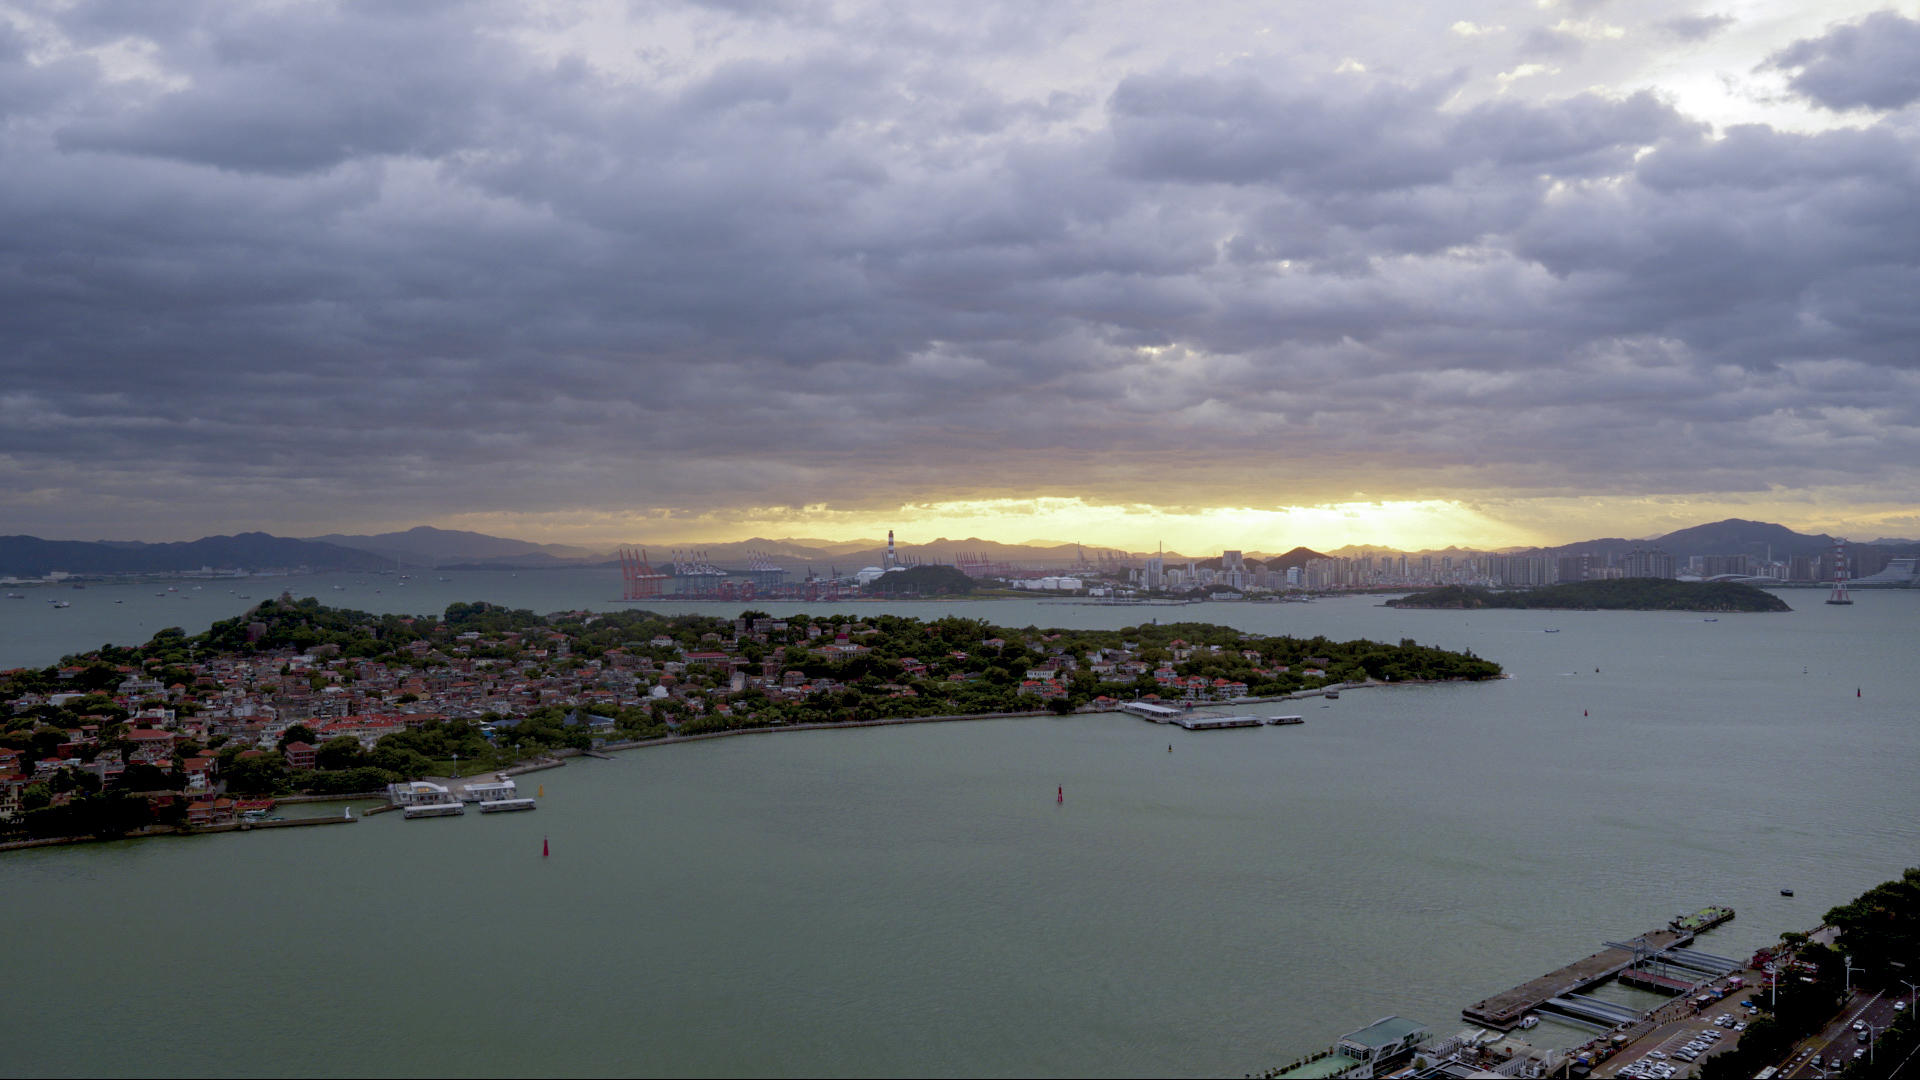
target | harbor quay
[
  {"x": 1504, "y": 1011},
  {"x": 1703, "y": 989}
]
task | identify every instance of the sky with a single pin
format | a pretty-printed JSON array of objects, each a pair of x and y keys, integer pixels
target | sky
[{"x": 1240, "y": 275}]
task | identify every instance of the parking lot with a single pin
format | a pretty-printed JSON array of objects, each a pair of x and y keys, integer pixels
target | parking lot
[{"x": 1678, "y": 1048}]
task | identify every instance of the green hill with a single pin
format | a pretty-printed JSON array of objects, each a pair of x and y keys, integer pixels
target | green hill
[
  {"x": 923, "y": 581},
  {"x": 1618, "y": 594}
]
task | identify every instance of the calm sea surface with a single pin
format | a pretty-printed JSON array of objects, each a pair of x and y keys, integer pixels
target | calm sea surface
[{"x": 913, "y": 901}]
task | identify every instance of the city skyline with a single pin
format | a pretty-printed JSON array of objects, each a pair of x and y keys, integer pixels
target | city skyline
[{"x": 1512, "y": 274}]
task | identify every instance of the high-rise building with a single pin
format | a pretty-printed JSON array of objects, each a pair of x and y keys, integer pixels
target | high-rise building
[{"x": 1649, "y": 563}]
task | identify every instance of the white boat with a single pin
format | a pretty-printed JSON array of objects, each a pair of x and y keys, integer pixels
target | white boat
[
  {"x": 1282, "y": 720},
  {"x": 505, "y": 806},
  {"x": 1529, "y": 1021},
  {"x": 60, "y": 603},
  {"x": 452, "y": 809}
]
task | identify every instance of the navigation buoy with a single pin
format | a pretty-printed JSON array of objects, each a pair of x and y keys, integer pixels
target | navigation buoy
[
  {"x": 543, "y": 791},
  {"x": 1583, "y": 712},
  {"x": 1856, "y": 691},
  {"x": 543, "y": 847},
  {"x": 1169, "y": 748},
  {"x": 1060, "y": 796}
]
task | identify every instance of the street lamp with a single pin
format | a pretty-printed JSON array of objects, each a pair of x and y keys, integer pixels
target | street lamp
[
  {"x": 1912, "y": 991},
  {"x": 1848, "y": 960}
]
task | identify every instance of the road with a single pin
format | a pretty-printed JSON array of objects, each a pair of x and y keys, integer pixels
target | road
[{"x": 1838, "y": 1041}]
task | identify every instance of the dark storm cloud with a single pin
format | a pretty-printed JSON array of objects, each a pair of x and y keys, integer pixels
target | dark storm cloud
[
  {"x": 396, "y": 262},
  {"x": 1871, "y": 64}
]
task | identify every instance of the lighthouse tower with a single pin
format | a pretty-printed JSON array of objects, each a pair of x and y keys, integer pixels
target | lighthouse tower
[
  {"x": 891, "y": 561},
  {"x": 1839, "y": 594}
]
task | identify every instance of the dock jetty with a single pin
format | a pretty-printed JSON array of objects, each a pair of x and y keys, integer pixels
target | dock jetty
[{"x": 1504, "y": 1011}]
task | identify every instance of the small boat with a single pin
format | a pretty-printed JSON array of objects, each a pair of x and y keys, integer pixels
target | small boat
[
  {"x": 1786, "y": 892},
  {"x": 1552, "y": 630},
  {"x": 1333, "y": 695},
  {"x": 1709, "y": 620},
  {"x": 16, "y": 596},
  {"x": 1529, "y": 1021},
  {"x": 60, "y": 603}
]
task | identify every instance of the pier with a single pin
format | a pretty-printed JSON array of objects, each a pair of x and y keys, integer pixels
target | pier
[
  {"x": 1503, "y": 1011},
  {"x": 1193, "y": 722}
]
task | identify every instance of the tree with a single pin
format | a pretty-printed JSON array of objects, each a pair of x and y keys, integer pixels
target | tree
[
  {"x": 298, "y": 733},
  {"x": 141, "y": 776},
  {"x": 342, "y": 752},
  {"x": 263, "y": 775},
  {"x": 36, "y": 797}
]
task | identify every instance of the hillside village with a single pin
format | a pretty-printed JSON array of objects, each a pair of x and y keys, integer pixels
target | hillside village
[{"x": 294, "y": 696}]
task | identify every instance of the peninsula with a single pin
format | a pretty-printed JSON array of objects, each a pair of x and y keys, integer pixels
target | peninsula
[
  {"x": 294, "y": 697},
  {"x": 1618, "y": 594}
]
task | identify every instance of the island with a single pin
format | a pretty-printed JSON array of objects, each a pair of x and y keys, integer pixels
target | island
[
  {"x": 294, "y": 698},
  {"x": 1617, "y": 594}
]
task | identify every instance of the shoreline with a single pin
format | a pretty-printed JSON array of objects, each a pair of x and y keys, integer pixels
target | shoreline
[
  {"x": 947, "y": 718},
  {"x": 558, "y": 759}
]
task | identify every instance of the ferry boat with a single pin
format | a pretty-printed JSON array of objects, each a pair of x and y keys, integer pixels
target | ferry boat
[
  {"x": 452, "y": 809},
  {"x": 505, "y": 806},
  {"x": 1279, "y": 721},
  {"x": 1703, "y": 920}
]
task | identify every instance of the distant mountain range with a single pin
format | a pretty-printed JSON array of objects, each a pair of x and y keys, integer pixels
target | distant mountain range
[
  {"x": 1733, "y": 536},
  {"x": 30, "y": 556},
  {"x": 424, "y": 545},
  {"x": 427, "y": 547}
]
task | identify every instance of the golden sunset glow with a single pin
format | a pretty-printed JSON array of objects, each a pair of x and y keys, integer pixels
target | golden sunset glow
[{"x": 1402, "y": 524}]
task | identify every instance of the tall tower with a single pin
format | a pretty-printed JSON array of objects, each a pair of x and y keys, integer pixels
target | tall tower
[
  {"x": 890, "y": 557},
  {"x": 1839, "y": 594}
]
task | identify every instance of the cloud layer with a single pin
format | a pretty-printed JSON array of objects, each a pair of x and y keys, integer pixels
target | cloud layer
[{"x": 293, "y": 264}]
